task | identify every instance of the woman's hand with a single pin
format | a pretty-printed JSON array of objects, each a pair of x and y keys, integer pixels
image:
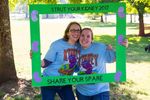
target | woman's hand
[
  {"x": 30, "y": 54},
  {"x": 109, "y": 47},
  {"x": 43, "y": 64},
  {"x": 125, "y": 43}
]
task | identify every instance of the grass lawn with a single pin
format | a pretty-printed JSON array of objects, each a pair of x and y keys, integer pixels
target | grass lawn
[
  {"x": 138, "y": 70},
  {"x": 138, "y": 61}
]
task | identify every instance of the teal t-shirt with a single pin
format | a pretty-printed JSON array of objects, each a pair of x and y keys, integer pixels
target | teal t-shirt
[
  {"x": 93, "y": 60},
  {"x": 64, "y": 58}
]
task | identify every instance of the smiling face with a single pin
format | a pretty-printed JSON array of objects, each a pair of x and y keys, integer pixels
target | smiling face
[
  {"x": 74, "y": 33},
  {"x": 86, "y": 38}
]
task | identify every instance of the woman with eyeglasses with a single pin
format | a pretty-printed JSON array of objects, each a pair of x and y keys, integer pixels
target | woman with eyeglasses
[{"x": 61, "y": 59}]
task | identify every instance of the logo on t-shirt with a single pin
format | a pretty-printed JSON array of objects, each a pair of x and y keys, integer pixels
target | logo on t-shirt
[
  {"x": 71, "y": 57},
  {"x": 88, "y": 64}
]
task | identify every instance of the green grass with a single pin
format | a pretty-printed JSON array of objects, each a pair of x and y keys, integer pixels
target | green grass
[
  {"x": 135, "y": 50},
  {"x": 119, "y": 91},
  {"x": 107, "y": 39},
  {"x": 97, "y": 24},
  {"x": 1, "y": 94}
]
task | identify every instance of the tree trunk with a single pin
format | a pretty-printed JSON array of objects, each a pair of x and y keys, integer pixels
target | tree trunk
[
  {"x": 131, "y": 18},
  {"x": 26, "y": 15},
  {"x": 134, "y": 18},
  {"x": 102, "y": 20},
  {"x": 105, "y": 18},
  {"x": 46, "y": 16},
  {"x": 26, "y": 11},
  {"x": 141, "y": 24},
  {"x": 7, "y": 66},
  {"x": 140, "y": 8}
]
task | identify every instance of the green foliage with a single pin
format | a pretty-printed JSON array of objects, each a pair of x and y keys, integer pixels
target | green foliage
[
  {"x": 12, "y": 4},
  {"x": 108, "y": 0},
  {"x": 75, "y": 1},
  {"x": 86, "y": 1},
  {"x": 98, "y": 1},
  {"x": 49, "y": 1},
  {"x": 34, "y": 1},
  {"x": 2, "y": 94},
  {"x": 140, "y": 5},
  {"x": 130, "y": 9},
  {"x": 37, "y": 97},
  {"x": 42, "y": 1},
  {"x": 21, "y": 98},
  {"x": 147, "y": 9}
]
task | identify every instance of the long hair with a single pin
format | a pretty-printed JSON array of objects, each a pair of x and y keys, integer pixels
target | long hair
[{"x": 65, "y": 37}]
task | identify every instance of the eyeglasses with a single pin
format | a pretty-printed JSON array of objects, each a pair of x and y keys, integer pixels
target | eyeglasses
[{"x": 74, "y": 30}]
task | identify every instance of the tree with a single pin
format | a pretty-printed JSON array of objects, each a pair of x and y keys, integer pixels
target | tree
[
  {"x": 75, "y": 1},
  {"x": 12, "y": 4},
  {"x": 7, "y": 66},
  {"x": 131, "y": 11},
  {"x": 140, "y": 6}
]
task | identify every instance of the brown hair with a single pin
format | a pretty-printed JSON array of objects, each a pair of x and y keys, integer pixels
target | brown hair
[
  {"x": 89, "y": 30},
  {"x": 65, "y": 37}
]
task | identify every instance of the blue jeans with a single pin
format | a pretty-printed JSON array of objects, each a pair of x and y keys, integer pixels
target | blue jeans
[
  {"x": 64, "y": 92},
  {"x": 100, "y": 96}
]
